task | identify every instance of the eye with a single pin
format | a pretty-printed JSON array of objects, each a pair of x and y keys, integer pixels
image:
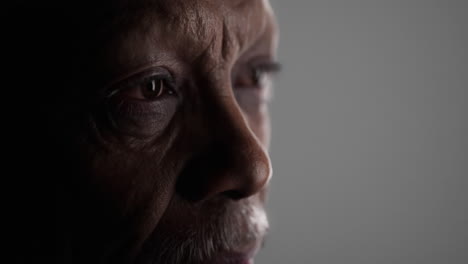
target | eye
[
  {"x": 142, "y": 104},
  {"x": 149, "y": 89},
  {"x": 252, "y": 77},
  {"x": 150, "y": 85},
  {"x": 255, "y": 76},
  {"x": 152, "y": 89}
]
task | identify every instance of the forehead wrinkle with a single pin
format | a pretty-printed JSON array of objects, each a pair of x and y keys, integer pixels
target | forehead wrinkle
[
  {"x": 208, "y": 31},
  {"x": 182, "y": 17},
  {"x": 203, "y": 33},
  {"x": 236, "y": 26},
  {"x": 256, "y": 19},
  {"x": 202, "y": 25},
  {"x": 191, "y": 18},
  {"x": 196, "y": 26}
]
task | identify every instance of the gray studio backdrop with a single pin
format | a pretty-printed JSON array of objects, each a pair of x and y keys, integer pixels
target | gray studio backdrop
[{"x": 370, "y": 133}]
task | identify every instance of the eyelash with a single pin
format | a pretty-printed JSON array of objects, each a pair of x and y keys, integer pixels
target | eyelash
[
  {"x": 269, "y": 67},
  {"x": 137, "y": 81}
]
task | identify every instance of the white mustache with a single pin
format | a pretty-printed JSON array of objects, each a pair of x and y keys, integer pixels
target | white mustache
[{"x": 229, "y": 233}]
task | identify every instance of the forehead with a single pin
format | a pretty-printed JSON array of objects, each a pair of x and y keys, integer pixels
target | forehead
[
  {"x": 202, "y": 19},
  {"x": 216, "y": 29}
]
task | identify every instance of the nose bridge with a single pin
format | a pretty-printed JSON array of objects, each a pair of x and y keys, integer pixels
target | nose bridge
[
  {"x": 232, "y": 162},
  {"x": 229, "y": 124},
  {"x": 248, "y": 165}
]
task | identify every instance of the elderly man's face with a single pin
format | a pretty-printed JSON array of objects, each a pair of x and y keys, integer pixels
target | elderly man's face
[{"x": 172, "y": 156}]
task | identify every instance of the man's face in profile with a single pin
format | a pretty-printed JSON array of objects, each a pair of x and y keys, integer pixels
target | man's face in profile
[{"x": 171, "y": 155}]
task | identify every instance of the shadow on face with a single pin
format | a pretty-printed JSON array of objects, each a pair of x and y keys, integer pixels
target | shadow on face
[{"x": 142, "y": 131}]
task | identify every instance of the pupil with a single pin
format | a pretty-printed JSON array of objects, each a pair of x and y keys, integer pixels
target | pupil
[
  {"x": 152, "y": 86},
  {"x": 154, "y": 89}
]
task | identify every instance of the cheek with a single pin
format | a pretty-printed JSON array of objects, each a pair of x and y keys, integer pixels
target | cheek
[
  {"x": 130, "y": 177},
  {"x": 128, "y": 189},
  {"x": 134, "y": 186}
]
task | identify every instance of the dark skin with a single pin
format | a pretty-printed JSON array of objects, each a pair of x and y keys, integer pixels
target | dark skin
[{"x": 164, "y": 133}]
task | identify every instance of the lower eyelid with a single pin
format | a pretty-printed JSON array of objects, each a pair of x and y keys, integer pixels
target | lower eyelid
[
  {"x": 139, "y": 108},
  {"x": 140, "y": 119}
]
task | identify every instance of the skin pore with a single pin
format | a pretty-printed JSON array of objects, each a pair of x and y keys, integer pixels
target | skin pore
[{"x": 164, "y": 129}]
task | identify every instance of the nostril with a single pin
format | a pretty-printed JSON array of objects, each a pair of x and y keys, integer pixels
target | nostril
[{"x": 234, "y": 194}]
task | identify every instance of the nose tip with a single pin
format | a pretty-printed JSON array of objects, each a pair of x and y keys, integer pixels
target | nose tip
[
  {"x": 234, "y": 172},
  {"x": 249, "y": 178}
]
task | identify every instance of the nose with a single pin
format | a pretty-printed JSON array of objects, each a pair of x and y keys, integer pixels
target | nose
[{"x": 229, "y": 161}]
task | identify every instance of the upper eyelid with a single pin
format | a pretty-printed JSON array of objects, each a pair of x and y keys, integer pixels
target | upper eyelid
[
  {"x": 138, "y": 78},
  {"x": 264, "y": 63},
  {"x": 269, "y": 68}
]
